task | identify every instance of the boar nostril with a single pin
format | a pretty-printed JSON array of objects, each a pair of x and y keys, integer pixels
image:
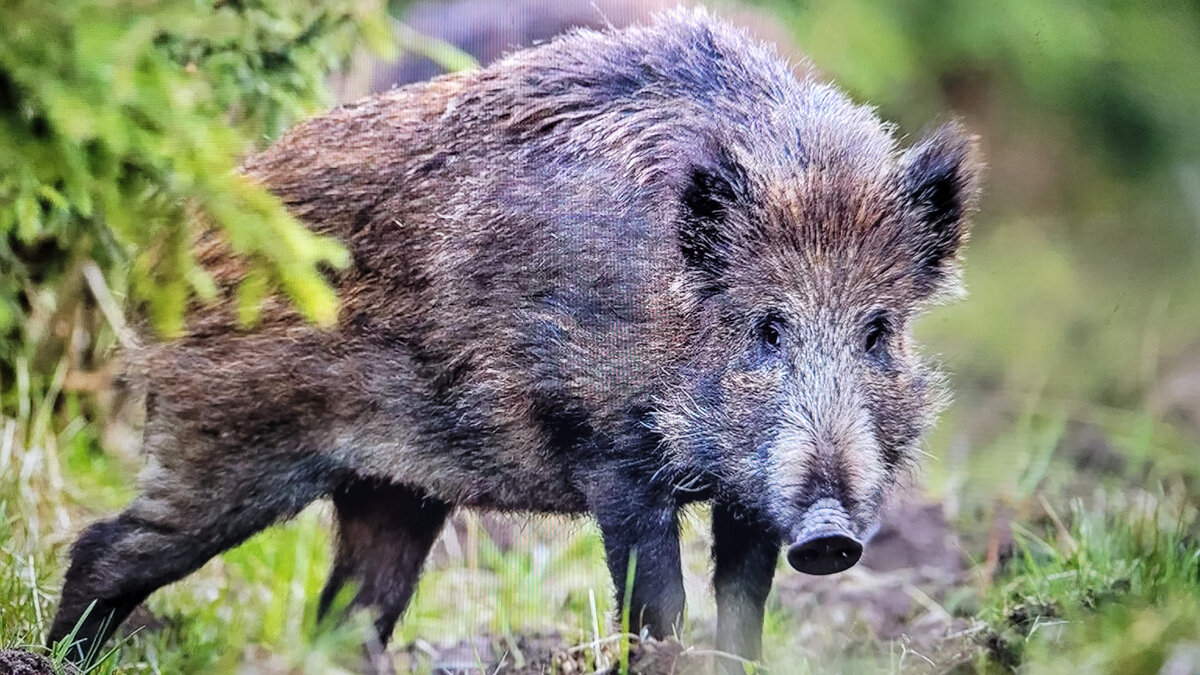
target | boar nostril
[
  {"x": 825, "y": 552},
  {"x": 825, "y": 541}
]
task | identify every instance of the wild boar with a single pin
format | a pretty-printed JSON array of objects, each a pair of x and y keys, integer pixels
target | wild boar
[{"x": 615, "y": 274}]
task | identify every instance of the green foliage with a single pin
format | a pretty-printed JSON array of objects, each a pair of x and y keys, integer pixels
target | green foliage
[
  {"x": 1106, "y": 67},
  {"x": 121, "y": 127}
]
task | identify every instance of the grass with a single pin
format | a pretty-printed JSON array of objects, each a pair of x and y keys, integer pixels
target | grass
[{"x": 1118, "y": 590}]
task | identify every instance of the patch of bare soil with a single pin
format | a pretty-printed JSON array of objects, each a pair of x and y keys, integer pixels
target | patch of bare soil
[
  {"x": 527, "y": 654},
  {"x": 547, "y": 654}
]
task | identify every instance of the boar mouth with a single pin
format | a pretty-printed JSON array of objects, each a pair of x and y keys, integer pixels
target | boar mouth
[{"x": 825, "y": 543}]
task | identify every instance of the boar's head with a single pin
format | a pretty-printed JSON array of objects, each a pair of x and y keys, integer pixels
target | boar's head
[{"x": 803, "y": 397}]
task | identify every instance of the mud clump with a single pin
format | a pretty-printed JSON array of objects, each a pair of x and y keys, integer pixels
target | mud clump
[
  {"x": 1091, "y": 451},
  {"x": 17, "y": 662}
]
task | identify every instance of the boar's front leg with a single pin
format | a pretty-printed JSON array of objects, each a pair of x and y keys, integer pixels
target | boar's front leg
[
  {"x": 744, "y": 557},
  {"x": 638, "y": 519}
]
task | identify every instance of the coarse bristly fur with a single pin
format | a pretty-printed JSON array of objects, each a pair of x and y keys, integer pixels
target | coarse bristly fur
[{"x": 615, "y": 274}]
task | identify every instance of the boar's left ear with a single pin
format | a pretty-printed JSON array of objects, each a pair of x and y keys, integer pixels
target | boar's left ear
[
  {"x": 940, "y": 177},
  {"x": 712, "y": 192}
]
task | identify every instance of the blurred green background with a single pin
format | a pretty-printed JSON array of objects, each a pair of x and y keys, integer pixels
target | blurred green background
[{"x": 1062, "y": 483}]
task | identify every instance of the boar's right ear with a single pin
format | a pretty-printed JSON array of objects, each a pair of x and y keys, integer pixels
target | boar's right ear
[
  {"x": 712, "y": 192},
  {"x": 940, "y": 181}
]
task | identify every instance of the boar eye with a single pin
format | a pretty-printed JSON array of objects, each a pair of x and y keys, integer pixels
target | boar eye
[
  {"x": 876, "y": 336},
  {"x": 771, "y": 335},
  {"x": 768, "y": 332}
]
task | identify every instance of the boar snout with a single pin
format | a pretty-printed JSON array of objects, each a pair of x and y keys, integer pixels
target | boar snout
[{"x": 825, "y": 543}]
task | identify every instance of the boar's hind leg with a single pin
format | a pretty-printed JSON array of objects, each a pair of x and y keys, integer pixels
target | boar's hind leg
[
  {"x": 187, "y": 515},
  {"x": 385, "y": 531},
  {"x": 744, "y": 557}
]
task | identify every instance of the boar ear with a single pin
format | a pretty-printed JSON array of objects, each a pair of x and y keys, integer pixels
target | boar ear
[
  {"x": 711, "y": 193},
  {"x": 940, "y": 182}
]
